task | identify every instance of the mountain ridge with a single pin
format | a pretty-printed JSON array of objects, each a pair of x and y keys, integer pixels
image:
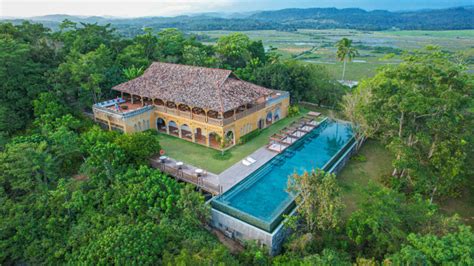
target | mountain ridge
[{"x": 288, "y": 19}]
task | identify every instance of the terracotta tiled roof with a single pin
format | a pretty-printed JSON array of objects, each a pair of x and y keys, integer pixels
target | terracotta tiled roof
[{"x": 208, "y": 88}]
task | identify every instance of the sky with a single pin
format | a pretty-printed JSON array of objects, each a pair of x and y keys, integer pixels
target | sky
[{"x": 140, "y": 8}]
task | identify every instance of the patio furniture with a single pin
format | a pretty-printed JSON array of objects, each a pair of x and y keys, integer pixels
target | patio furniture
[
  {"x": 246, "y": 162},
  {"x": 163, "y": 159},
  {"x": 314, "y": 114},
  {"x": 179, "y": 165},
  {"x": 251, "y": 160},
  {"x": 199, "y": 172}
]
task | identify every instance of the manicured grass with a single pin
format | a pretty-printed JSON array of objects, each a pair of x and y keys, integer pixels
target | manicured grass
[
  {"x": 210, "y": 159},
  {"x": 356, "y": 174}
]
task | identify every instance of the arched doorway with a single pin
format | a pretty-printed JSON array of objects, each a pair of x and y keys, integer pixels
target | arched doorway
[
  {"x": 277, "y": 114},
  {"x": 229, "y": 138},
  {"x": 269, "y": 119},
  {"x": 261, "y": 123},
  {"x": 161, "y": 125},
  {"x": 173, "y": 128},
  {"x": 198, "y": 136},
  {"x": 186, "y": 132},
  {"x": 214, "y": 140}
]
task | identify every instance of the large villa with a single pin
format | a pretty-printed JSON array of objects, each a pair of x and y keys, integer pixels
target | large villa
[
  {"x": 214, "y": 108},
  {"x": 208, "y": 106}
]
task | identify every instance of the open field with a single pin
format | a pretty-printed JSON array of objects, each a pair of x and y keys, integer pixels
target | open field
[{"x": 317, "y": 46}]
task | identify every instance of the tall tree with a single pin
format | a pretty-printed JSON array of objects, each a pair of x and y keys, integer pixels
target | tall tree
[
  {"x": 345, "y": 53},
  {"x": 318, "y": 196},
  {"x": 233, "y": 50},
  {"x": 22, "y": 79},
  {"x": 386, "y": 217},
  {"x": 353, "y": 109},
  {"x": 456, "y": 248},
  {"x": 90, "y": 71},
  {"x": 420, "y": 109}
]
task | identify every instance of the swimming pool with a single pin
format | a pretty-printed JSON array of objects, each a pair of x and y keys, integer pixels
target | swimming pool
[{"x": 261, "y": 198}]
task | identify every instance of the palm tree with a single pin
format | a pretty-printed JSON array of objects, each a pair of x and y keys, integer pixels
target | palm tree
[
  {"x": 345, "y": 52},
  {"x": 132, "y": 72}
]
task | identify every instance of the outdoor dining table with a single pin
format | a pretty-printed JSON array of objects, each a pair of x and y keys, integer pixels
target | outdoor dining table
[
  {"x": 163, "y": 158},
  {"x": 198, "y": 172}
]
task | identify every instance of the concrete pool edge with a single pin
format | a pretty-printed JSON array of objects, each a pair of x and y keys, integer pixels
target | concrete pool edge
[
  {"x": 286, "y": 208},
  {"x": 242, "y": 230}
]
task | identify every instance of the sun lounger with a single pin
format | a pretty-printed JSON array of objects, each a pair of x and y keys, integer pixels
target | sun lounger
[
  {"x": 246, "y": 163},
  {"x": 251, "y": 160}
]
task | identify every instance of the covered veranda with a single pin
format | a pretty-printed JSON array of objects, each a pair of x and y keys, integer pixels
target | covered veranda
[{"x": 195, "y": 134}]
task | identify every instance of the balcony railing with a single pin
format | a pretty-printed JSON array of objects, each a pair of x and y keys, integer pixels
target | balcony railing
[
  {"x": 210, "y": 120},
  {"x": 188, "y": 114},
  {"x": 120, "y": 114},
  {"x": 249, "y": 111},
  {"x": 278, "y": 98}
]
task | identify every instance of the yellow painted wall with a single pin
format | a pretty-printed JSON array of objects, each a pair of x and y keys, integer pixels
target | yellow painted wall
[
  {"x": 148, "y": 120},
  {"x": 249, "y": 123}
]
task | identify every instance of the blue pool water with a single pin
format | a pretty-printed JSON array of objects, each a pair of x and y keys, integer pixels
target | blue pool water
[{"x": 261, "y": 198}]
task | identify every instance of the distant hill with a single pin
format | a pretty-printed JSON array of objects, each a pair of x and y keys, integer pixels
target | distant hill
[
  {"x": 355, "y": 18},
  {"x": 286, "y": 20}
]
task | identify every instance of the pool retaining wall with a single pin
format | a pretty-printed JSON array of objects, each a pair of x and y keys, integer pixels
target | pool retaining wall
[{"x": 242, "y": 231}]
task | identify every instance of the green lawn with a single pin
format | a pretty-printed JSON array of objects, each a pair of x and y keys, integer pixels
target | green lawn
[
  {"x": 210, "y": 159},
  {"x": 356, "y": 174}
]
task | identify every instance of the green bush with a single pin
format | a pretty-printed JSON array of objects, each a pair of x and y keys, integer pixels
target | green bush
[
  {"x": 359, "y": 158},
  {"x": 246, "y": 138},
  {"x": 293, "y": 110},
  {"x": 222, "y": 156}
]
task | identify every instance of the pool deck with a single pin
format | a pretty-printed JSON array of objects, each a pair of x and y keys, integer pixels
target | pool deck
[
  {"x": 211, "y": 182},
  {"x": 220, "y": 183},
  {"x": 187, "y": 173},
  {"x": 238, "y": 171}
]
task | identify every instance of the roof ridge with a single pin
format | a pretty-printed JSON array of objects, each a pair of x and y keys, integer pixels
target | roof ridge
[
  {"x": 219, "y": 92},
  {"x": 191, "y": 66}
]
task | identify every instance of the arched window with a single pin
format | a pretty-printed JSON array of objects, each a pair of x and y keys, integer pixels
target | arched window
[
  {"x": 186, "y": 132},
  {"x": 269, "y": 119},
  {"x": 173, "y": 128},
  {"x": 161, "y": 124},
  {"x": 277, "y": 114}
]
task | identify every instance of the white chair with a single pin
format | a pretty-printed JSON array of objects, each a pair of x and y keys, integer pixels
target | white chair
[
  {"x": 251, "y": 160},
  {"x": 246, "y": 163}
]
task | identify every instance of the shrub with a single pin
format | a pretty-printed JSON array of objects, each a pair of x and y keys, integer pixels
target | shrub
[
  {"x": 246, "y": 138},
  {"x": 293, "y": 110},
  {"x": 359, "y": 158}
]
